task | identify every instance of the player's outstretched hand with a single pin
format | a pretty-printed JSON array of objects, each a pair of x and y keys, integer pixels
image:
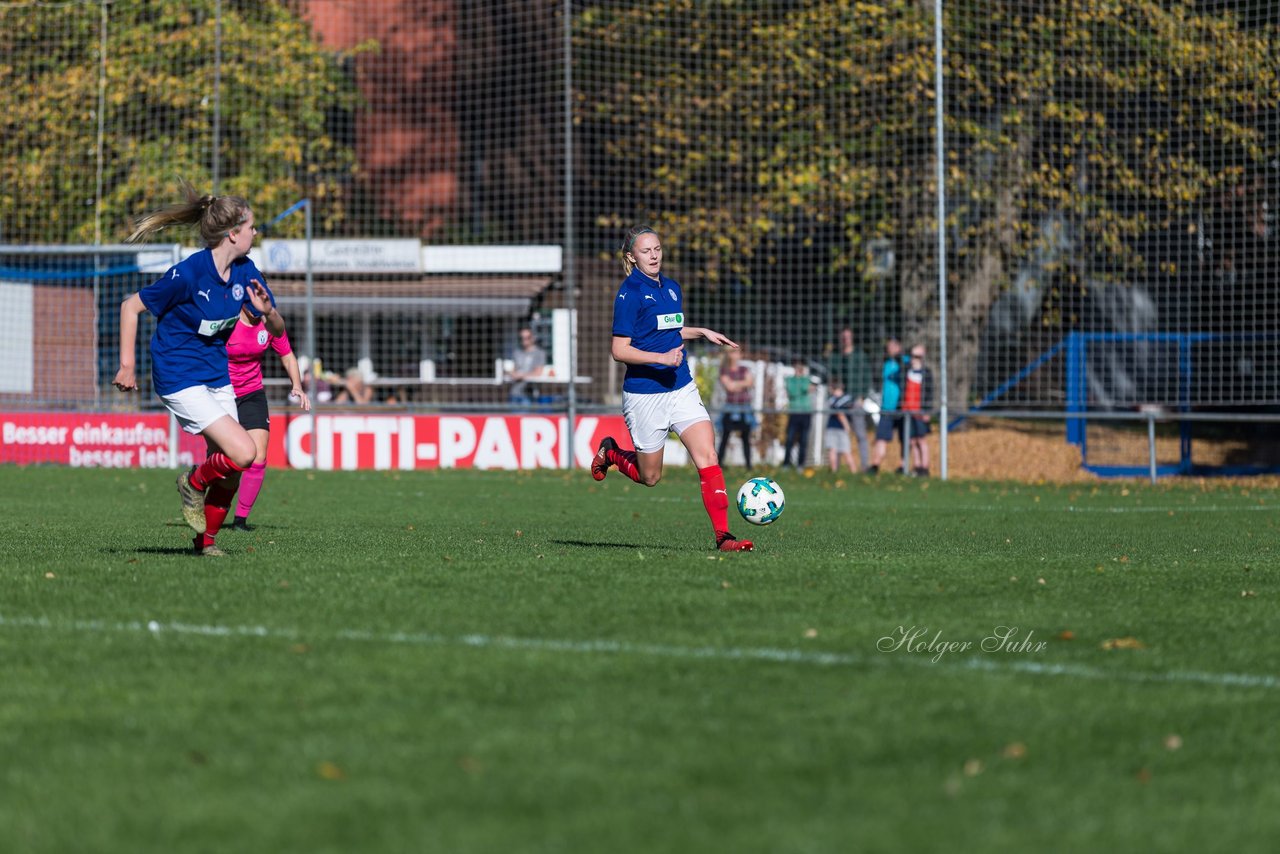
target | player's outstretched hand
[
  {"x": 125, "y": 379},
  {"x": 301, "y": 398},
  {"x": 259, "y": 296},
  {"x": 716, "y": 338}
]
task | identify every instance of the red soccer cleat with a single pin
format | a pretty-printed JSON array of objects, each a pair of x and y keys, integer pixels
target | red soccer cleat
[
  {"x": 600, "y": 462},
  {"x": 726, "y": 543}
]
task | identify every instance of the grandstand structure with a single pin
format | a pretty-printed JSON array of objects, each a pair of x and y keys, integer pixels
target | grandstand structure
[{"x": 1103, "y": 247}]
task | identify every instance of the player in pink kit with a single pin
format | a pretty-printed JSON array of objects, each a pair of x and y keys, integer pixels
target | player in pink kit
[{"x": 246, "y": 348}]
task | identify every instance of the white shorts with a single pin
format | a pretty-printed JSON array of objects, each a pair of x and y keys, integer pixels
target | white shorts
[
  {"x": 201, "y": 405},
  {"x": 650, "y": 417}
]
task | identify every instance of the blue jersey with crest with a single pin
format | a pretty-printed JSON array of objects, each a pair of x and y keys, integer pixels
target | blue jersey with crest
[
  {"x": 196, "y": 312},
  {"x": 651, "y": 314}
]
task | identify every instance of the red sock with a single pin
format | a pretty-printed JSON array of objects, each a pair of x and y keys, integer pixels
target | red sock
[
  {"x": 216, "y": 504},
  {"x": 715, "y": 497},
  {"x": 217, "y": 466},
  {"x": 626, "y": 462}
]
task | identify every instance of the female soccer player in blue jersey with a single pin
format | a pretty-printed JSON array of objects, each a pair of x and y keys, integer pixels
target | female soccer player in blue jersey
[
  {"x": 658, "y": 392},
  {"x": 197, "y": 304}
]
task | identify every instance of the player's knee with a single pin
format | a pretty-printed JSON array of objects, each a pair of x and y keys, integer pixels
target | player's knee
[
  {"x": 243, "y": 457},
  {"x": 651, "y": 478}
]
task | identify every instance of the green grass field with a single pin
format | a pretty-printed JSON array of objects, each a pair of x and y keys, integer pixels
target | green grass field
[{"x": 501, "y": 662}]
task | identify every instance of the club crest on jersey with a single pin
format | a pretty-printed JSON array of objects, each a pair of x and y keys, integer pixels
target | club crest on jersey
[
  {"x": 237, "y": 292},
  {"x": 262, "y": 337},
  {"x": 672, "y": 291},
  {"x": 674, "y": 320}
]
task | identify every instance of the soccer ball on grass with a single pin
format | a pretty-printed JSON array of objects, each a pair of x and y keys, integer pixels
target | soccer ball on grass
[{"x": 760, "y": 501}]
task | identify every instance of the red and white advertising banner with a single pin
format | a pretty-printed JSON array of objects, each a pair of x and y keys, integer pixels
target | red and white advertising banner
[
  {"x": 359, "y": 441},
  {"x": 94, "y": 440},
  {"x": 325, "y": 442}
]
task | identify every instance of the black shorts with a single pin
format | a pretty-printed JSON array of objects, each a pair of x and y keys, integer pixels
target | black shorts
[
  {"x": 252, "y": 409},
  {"x": 889, "y": 427},
  {"x": 919, "y": 428}
]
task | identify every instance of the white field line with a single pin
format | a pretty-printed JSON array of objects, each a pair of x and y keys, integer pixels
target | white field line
[
  {"x": 988, "y": 664},
  {"x": 1020, "y": 507}
]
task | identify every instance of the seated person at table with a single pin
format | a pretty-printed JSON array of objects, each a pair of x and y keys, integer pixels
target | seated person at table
[
  {"x": 355, "y": 389},
  {"x": 527, "y": 362}
]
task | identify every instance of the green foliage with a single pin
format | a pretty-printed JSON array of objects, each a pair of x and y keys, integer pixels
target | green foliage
[
  {"x": 1121, "y": 116},
  {"x": 156, "y": 78},
  {"x": 739, "y": 126}
]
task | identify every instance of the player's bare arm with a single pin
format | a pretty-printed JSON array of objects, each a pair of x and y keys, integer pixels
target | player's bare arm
[
  {"x": 688, "y": 333},
  {"x": 623, "y": 352},
  {"x": 297, "y": 392},
  {"x": 126, "y": 378}
]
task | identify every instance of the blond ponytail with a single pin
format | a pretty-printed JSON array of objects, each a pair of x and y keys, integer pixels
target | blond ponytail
[{"x": 216, "y": 216}]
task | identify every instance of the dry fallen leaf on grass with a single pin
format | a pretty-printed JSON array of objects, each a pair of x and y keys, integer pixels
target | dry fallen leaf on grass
[
  {"x": 1123, "y": 643},
  {"x": 330, "y": 771}
]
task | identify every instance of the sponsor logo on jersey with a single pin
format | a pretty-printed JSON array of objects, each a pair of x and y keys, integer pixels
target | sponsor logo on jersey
[
  {"x": 671, "y": 321},
  {"x": 213, "y": 327}
]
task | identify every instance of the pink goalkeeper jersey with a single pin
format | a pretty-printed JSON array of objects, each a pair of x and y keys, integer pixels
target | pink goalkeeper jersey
[{"x": 245, "y": 349}]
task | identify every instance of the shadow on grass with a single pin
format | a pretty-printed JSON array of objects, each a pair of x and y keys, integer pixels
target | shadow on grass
[
  {"x": 152, "y": 550},
  {"x": 589, "y": 544},
  {"x": 227, "y": 528}
]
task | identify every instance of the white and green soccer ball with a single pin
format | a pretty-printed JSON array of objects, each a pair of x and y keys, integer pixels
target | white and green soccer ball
[{"x": 760, "y": 501}]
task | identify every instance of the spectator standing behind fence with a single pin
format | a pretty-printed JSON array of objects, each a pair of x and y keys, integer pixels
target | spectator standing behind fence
[
  {"x": 738, "y": 415},
  {"x": 197, "y": 303},
  {"x": 799, "y": 414},
  {"x": 836, "y": 438},
  {"x": 246, "y": 348},
  {"x": 917, "y": 400},
  {"x": 528, "y": 361},
  {"x": 890, "y": 401},
  {"x": 658, "y": 391},
  {"x": 851, "y": 366}
]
